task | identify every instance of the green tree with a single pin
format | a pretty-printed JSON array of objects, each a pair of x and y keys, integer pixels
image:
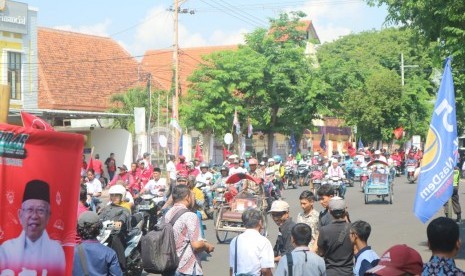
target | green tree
[
  {"x": 362, "y": 73},
  {"x": 269, "y": 79},
  {"x": 436, "y": 21},
  {"x": 126, "y": 102}
]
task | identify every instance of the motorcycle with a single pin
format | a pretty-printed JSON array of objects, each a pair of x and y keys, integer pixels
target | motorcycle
[
  {"x": 271, "y": 193},
  {"x": 208, "y": 204},
  {"x": 364, "y": 175},
  {"x": 289, "y": 177},
  {"x": 149, "y": 205},
  {"x": 132, "y": 250},
  {"x": 317, "y": 176},
  {"x": 410, "y": 168},
  {"x": 302, "y": 173},
  {"x": 338, "y": 185}
]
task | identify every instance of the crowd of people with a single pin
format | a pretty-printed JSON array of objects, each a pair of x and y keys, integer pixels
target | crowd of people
[{"x": 317, "y": 243}]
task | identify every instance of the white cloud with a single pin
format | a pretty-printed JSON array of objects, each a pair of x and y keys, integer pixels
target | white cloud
[
  {"x": 157, "y": 33},
  {"x": 99, "y": 29},
  {"x": 335, "y": 19}
]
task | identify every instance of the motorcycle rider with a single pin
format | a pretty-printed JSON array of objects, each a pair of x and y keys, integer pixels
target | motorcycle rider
[
  {"x": 349, "y": 166},
  {"x": 117, "y": 212},
  {"x": 251, "y": 186},
  {"x": 205, "y": 177},
  {"x": 335, "y": 171},
  {"x": 156, "y": 186}
]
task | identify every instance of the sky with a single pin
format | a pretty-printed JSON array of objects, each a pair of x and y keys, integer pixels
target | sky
[{"x": 141, "y": 25}]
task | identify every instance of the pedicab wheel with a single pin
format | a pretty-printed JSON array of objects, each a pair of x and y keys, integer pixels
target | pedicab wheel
[
  {"x": 366, "y": 199},
  {"x": 221, "y": 235}
]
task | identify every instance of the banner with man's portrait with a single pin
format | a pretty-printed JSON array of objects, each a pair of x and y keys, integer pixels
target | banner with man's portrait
[{"x": 39, "y": 193}]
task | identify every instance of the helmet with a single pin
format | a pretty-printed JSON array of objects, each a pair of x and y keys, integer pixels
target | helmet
[
  {"x": 247, "y": 154},
  {"x": 270, "y": 160},
  {"x": 203, "y": 165},
  {"x": 224, "y": 168},
  {"x": 253, "y": 161},
  {"x": 190, "y": 164},
  {"x": 117, "y": 189},
  {"x": 277, "y": 158}
]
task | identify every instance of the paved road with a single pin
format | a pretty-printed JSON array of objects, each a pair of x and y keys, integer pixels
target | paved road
[{"x": 391, "y": 224}]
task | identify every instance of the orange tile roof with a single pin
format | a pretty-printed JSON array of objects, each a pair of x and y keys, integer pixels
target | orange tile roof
[
  {"x": 80, "y": 72},
  {"x": 160, "y": 64}
]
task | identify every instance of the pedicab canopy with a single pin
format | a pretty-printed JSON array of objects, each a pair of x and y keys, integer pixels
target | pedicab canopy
[
  {"x": 39, "y": 191},
  {"x": 234, "y": 178},
  {"x": 376, "y": 163}
]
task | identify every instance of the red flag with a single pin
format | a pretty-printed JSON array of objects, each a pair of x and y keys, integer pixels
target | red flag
[
  {"x": 399, "y": 132},
  {"x": 198, "y": 152},
  {"x": 32, "y": 121},
  {"x": 90, "y": 164},
  {"x": 352, "y": 152},
  {"x": 226, "y": 153}
]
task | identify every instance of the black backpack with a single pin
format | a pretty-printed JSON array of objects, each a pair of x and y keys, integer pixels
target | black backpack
[{"x": 158, "y": 247}]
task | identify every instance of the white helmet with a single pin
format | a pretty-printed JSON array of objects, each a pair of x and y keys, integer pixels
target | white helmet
[
  {"x": 270, "y": 160},
  {"x": 117, "y": 189},
  {"x": 316, "y": 153}
]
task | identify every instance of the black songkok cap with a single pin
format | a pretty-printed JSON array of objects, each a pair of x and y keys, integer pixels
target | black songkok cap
[{"x": 37, "y": 189}]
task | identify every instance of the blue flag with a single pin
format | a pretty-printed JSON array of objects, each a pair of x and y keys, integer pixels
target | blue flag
[
  {"x": 360, "y": 144},
  {"x": 323, "y": 142},
  {"x": 441, "y": 150},
  {"x": 293, "y": 144},
  {"x": 180, "y": 145}
]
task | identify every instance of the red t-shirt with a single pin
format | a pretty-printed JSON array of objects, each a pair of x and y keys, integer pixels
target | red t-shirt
[{"x": 97, "y": 166}]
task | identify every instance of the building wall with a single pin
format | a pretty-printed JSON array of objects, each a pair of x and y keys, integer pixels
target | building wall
[{"x": 20, "y": 36}]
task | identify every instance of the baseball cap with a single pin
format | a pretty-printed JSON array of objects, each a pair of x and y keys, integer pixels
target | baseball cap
[
  {"x": 279, "y": 206},
  {"x": 397, "y": 261},
  {"x": 88, "y": 217},
  {"x": 337, "y": 203},
  {"x": 123, "y": 167}
]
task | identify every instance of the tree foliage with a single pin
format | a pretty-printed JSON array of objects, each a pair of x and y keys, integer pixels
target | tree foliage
[
  {"x": 269, "y": 80},
  {"x": 362, "y": 72},
  {"x": 126, "y": 102},
  {"x": 436, "y": 21}
]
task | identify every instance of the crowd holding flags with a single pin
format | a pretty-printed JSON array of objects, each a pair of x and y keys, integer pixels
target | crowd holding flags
[{"x": 435, "y": 183}]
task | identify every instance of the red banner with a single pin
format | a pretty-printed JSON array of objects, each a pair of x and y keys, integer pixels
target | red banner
[
  {"x": 39, "y": 192},
  {"x": 30, "y": 120}
]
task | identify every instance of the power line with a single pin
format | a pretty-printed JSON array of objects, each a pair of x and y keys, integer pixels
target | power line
[{"x": 241, "y": 18}]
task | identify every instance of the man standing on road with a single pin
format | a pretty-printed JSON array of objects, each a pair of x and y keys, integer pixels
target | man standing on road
[
  {"x": 334, "y": 244},
  {"x": 303, "y": 261},
  {"x": 280, "y": 213},
  {"x": 444, "y": 242},
  {"x": 187, "y": 233},
  {"x": 171, "y": 169},
  {"x": 365, "y": 257},
  {"x": 455, "y": 197},
  {"x": 325, "y": 193},
  {"x": 250, "y": 253}
]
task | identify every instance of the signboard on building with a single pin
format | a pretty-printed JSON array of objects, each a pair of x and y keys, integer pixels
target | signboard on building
[{"x": 13, "y": 18}]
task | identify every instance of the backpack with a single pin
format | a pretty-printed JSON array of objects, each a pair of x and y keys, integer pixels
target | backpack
[{"x": 158, "y": 247}]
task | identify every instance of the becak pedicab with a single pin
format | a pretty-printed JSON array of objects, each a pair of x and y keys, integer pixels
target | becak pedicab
[
  {"x": 379, "y": 183},
  {"x": 228, "y": 217}
]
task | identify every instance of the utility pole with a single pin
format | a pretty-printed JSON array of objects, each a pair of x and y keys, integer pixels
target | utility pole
[
  {"x": 149, "y": 126},
  {"x": 402, "y": 68},
  {"x": 176, "y": 11}
]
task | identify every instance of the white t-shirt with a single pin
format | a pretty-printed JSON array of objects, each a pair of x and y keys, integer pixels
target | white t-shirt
[
  {"x": 171, "y": 168},
  {"x": 94, "y": 186},
  {"x": 204, "y": 177},
  {"x": 156, "y": 187},
  {"x": 254, "y": 252},
  {"x": 233, "y": 170}
]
